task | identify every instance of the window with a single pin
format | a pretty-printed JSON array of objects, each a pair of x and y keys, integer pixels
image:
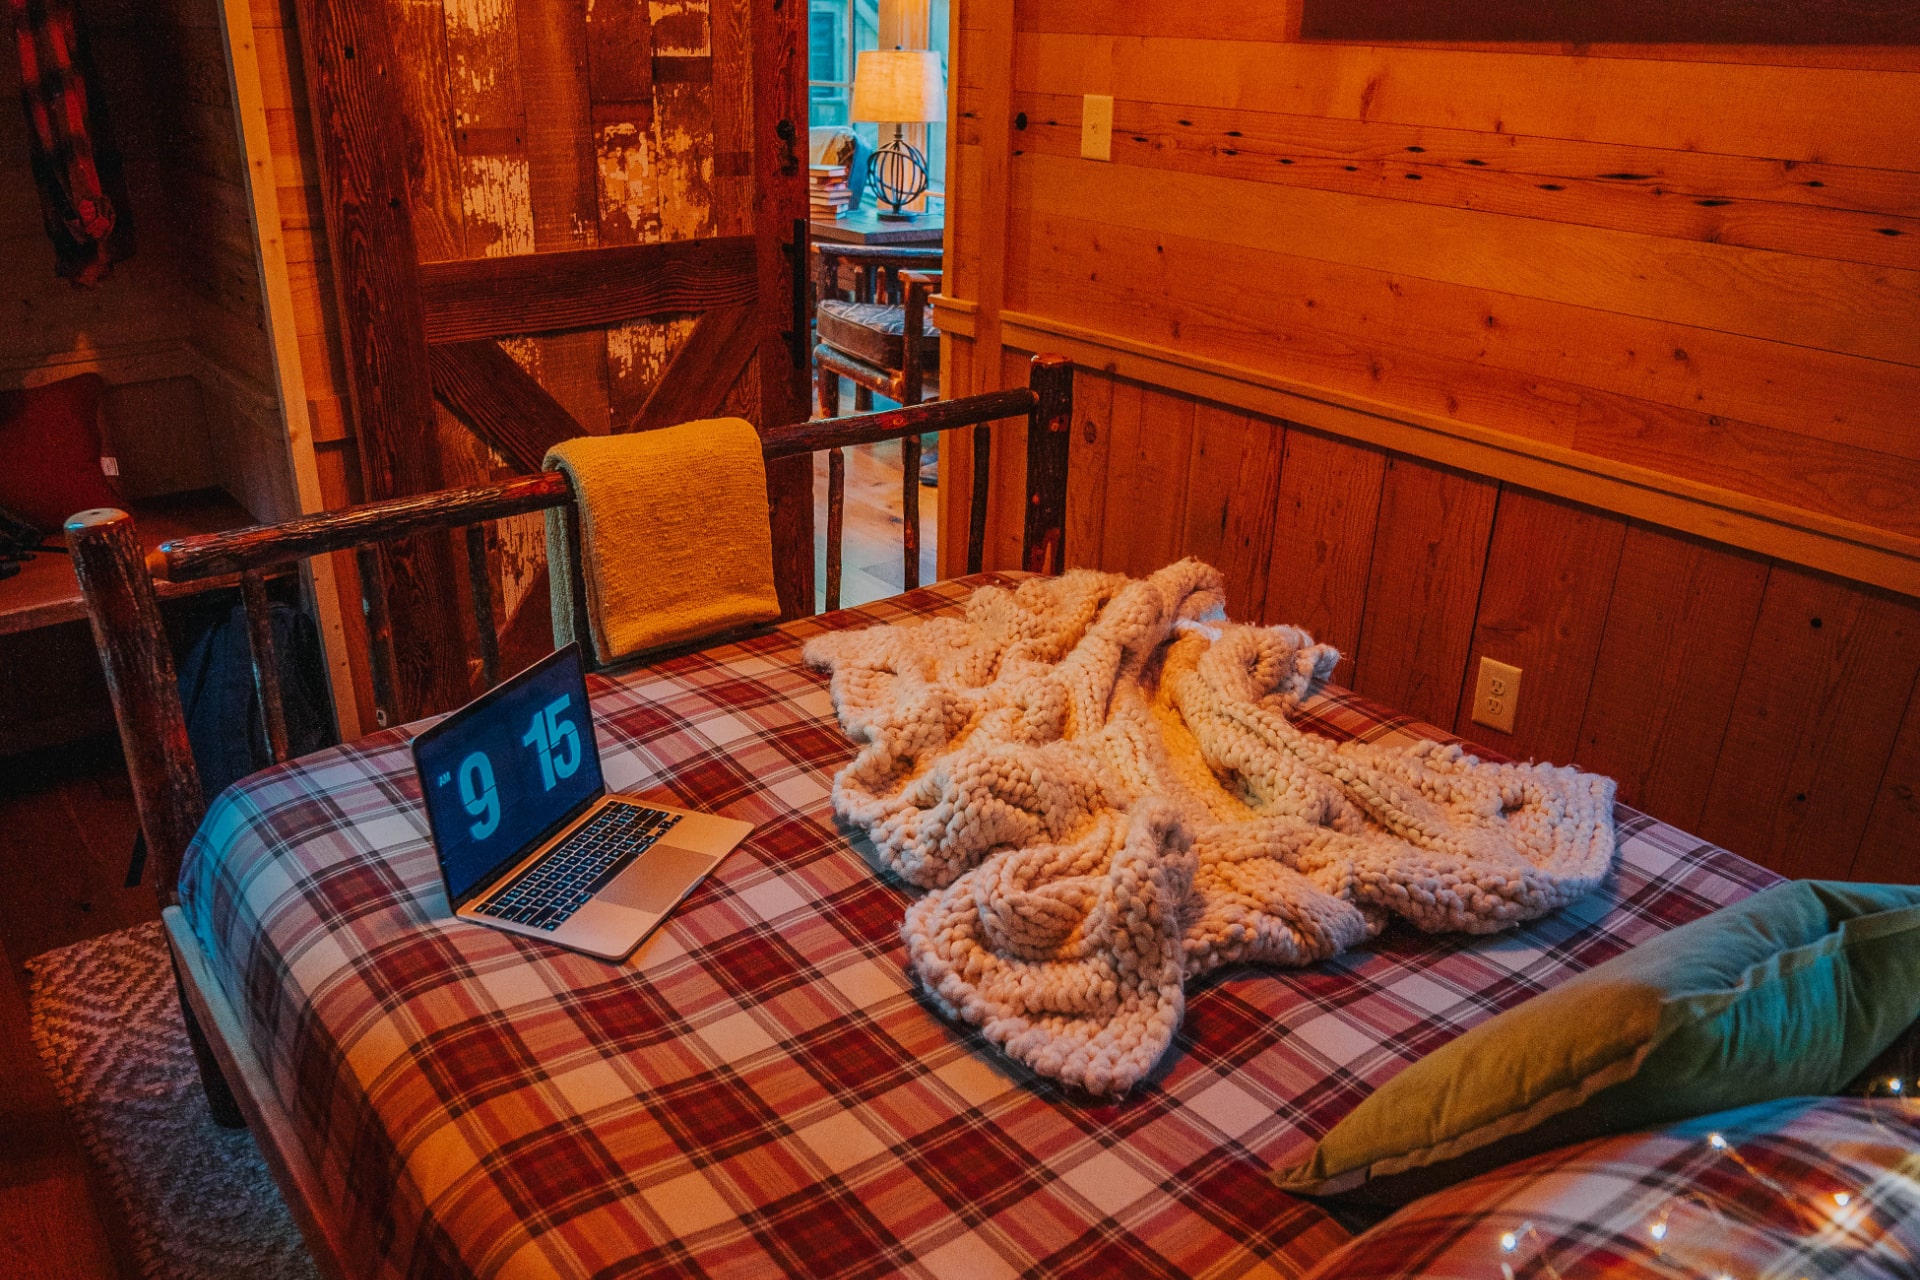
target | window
[{"x": 836, "y": 31}]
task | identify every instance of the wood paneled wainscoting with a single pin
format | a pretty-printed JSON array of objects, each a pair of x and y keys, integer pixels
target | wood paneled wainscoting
[
  {"x": 1769, "y": 707},
  {"x": 1599, "y": 359}
]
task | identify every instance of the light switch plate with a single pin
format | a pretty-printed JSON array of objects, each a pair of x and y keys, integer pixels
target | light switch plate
[
  {"x": 1096, "y": 127},
  {"x": 1496, "y": 694}
]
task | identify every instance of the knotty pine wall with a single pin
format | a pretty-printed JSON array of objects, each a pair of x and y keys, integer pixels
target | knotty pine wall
[{"x": 1602, "y": 364}]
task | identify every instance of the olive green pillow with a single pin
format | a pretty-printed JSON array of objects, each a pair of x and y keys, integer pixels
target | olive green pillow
[{"x": 1790, "y": 992}]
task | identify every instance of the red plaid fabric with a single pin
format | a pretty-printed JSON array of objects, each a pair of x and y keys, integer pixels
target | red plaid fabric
[
  {"x": 1807, "y": 1187},
  {"x": 759, "y": 1091},
  {"x": 88, "y": 233}
]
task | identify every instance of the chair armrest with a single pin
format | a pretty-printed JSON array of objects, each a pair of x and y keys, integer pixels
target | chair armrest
[{"x": 929, "y": 280}]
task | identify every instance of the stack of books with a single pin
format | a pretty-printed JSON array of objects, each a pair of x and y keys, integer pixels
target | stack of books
[{"x": 828, "y": 194}]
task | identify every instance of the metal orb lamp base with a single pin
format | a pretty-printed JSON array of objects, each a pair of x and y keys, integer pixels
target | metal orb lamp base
[{"x": 897, "y": 172}]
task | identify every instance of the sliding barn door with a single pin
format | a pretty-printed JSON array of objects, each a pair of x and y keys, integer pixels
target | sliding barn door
[{"x": 549, "y": 218}]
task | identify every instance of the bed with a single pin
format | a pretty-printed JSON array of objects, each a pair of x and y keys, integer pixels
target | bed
[{"x": 759, "y": 1090}]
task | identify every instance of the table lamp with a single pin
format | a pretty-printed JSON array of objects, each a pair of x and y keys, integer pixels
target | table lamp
[{"x": 898, "y": 87}]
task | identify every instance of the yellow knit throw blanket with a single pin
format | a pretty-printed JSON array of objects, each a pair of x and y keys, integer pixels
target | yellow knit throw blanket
[
  {"x": 674, "y": 535},
  {"x": 1098, "y": 779}
]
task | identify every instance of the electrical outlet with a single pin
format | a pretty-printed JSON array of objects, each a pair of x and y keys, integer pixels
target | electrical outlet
[
  {"x": 1096, "y": 127},
  {"x": 1496, "y": 694}
]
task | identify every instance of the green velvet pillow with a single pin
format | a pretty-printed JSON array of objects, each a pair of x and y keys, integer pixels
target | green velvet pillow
[{"x": 1790, "y": 992}]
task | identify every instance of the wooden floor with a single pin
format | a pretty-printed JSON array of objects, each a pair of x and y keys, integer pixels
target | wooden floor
[
  {"x": 873, "y": 563},
  {"x": 66, "y": 830}
]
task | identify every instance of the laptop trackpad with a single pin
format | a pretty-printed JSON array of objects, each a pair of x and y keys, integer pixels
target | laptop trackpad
[{"x": 658, "y": 878}]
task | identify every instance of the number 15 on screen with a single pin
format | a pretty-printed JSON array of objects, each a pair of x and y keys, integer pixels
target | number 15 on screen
[{"x": 552, "y": 734}]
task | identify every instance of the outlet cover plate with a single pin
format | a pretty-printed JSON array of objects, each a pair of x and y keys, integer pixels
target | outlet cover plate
[
  {"x": 1496, "y": 694},
  {"x": 1096, "y": 127}
]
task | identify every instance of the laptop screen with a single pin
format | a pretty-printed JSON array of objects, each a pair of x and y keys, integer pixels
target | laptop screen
[{"x": 505, "y": 771}]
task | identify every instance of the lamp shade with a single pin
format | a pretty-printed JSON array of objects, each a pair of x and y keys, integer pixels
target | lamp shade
[{"x": 899, "y": 86}]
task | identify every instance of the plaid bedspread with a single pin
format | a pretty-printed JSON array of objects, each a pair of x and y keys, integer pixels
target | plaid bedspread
[{"x": 759, "y": 1090}]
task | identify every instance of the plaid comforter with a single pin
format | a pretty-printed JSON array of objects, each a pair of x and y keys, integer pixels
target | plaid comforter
[{"x": 759, "y": 1090}]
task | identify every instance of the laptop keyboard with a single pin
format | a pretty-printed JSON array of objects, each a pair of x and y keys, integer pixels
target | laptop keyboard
[{"x": 575, "y": 869}]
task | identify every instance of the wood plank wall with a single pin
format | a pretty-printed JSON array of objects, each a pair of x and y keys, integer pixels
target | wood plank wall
[
  {"x": 1765, "y": 706},
  {"x": 222, "y": 299},
  {"x": 1403, "y": 338}
]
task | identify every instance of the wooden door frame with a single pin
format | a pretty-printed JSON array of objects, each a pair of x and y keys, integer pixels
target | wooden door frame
[
  {"x": 290, "y": 383},
  {"x": 415, "y": 332},
  {"x": 779, "y": 68}
]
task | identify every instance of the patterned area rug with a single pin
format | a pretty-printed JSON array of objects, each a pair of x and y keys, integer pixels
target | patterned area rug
[{"x": 197, "y": 1198}]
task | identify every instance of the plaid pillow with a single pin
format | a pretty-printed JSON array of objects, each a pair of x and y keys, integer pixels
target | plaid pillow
[{"x": 1806, "y": 1187}]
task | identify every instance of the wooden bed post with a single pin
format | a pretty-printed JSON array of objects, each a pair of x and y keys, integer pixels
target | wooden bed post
[
  {"x": 1043, "y": 549},
  {"x": 127, "y": 631},
  {"x": 125, "y": 615}
]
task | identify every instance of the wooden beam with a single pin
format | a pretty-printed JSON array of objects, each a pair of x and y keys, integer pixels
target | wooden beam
[
  {"x": 207, "y": 555},
  {"x": 583, "y": 288},
  {"x": 500, "y": 401},
  {"x": 702, "y": 371},
  {"x": 799, "y": 439},
  {"x": 361, "y": 137}
]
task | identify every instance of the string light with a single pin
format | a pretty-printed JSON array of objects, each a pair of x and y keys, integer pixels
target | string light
[
  {"x": 1658, "y": 1227},
  {"x": 1510, "y": 1241},
  {"x": 1813, "y": 1213}
]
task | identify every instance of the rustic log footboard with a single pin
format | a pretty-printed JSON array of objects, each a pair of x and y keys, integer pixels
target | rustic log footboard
[{"x": 122, "y": 605}]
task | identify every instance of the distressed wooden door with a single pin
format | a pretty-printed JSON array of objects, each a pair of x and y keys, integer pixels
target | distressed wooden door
[{"x": 550, "y": 217}]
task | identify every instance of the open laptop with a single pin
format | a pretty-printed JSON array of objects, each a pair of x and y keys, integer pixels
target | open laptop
[{"x": 528, "y": 839}]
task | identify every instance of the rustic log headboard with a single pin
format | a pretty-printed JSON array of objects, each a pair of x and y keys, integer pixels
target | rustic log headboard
[{"x": 122, "y": 606}]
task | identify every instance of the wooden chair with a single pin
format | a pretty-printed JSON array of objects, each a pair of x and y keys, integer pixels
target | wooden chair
[
  {"x": 122, "y": 604},
  {"x": 877, "y": 335}
]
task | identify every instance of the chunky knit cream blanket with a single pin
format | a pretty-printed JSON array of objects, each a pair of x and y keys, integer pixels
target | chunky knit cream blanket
[{"x": 1098, "y": 780}]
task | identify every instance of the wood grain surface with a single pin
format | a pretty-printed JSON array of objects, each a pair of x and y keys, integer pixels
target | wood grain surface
[
  {"x": 1322, "y": 547},
  {"x": 1423, "y": 587},
  {"x": 1543, "y": 608},
  {"x": 500, "y": 402},
  {"x": 584, "y": 288},
  {"x": 1677, "y": 636},
  {"x": 1814, "y": 723},
  {"x": 702, "y": 370},
  {"x": 367, "y": 166}
]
